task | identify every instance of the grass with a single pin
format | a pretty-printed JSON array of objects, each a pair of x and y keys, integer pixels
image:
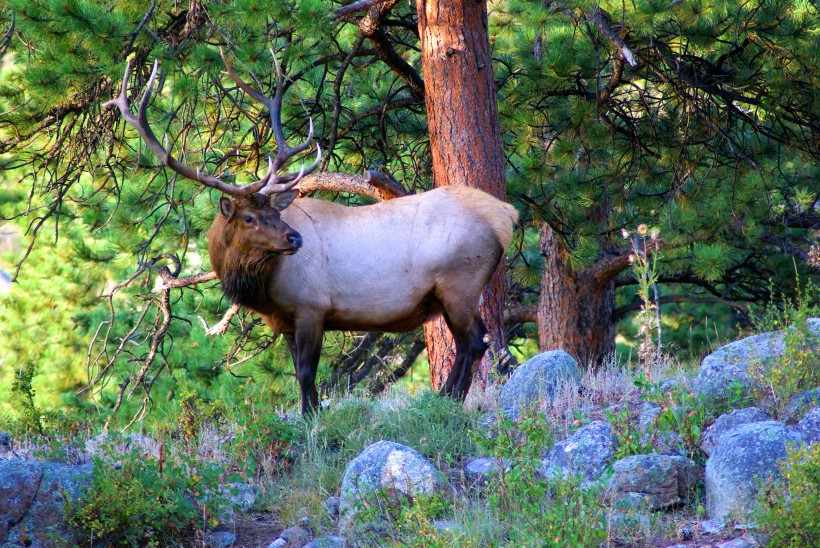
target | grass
[{"x": 296, "y": 464}]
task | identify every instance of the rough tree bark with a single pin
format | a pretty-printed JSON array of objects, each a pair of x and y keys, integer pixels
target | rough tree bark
[
  {"x": 575, "y": 309},
  {"x": 465, "y": 142}
]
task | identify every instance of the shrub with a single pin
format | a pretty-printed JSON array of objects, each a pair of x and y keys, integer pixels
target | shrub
[
  {"x": 788, "y": 510},
  {"x": 537, "y": 512},
  {"x": 798, "y": 368},
  {"x": 144, "y": 502},
  {"x": 264, "y": 444}
]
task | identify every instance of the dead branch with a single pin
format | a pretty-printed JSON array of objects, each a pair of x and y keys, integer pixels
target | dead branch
[
  {"x": 597, "y": 17},
  {"x": 372, "y": 184},
  {"x": 222, "y": 326},
  {"x": 357, "y": 6}
]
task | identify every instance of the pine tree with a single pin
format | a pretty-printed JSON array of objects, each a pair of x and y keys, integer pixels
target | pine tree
[{"x": 697, "y": 119}]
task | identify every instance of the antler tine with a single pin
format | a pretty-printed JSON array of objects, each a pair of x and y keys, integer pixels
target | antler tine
[
  {"x": 276, "y": 182},
  {"x": 140, "y": 123},
  {"x": 289, "y": 180}
]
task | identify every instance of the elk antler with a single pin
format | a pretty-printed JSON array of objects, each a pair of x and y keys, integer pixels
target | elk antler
[
  {"x": 269, "y": 184},
  {"x": 277, "y": 182}
]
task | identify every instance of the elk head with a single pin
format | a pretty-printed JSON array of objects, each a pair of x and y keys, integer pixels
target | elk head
[{"x": 254, "y": 226}]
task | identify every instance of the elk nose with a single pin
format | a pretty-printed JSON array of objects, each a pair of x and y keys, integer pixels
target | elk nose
[{"x": 295, "y": 239}]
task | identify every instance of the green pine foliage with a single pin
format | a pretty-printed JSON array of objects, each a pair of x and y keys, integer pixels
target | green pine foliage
[{"x": 708, "y": 139}]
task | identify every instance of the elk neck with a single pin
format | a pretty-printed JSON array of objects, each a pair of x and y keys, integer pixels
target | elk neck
[{"x": 243, "y": 271}]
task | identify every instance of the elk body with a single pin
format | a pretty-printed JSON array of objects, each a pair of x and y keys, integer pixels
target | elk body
[
  {"x": 307, "y": 266},
  {"x": 311, "y": 266}
]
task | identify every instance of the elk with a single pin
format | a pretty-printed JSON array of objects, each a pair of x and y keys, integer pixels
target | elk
[{"x": 307, "y": 266}]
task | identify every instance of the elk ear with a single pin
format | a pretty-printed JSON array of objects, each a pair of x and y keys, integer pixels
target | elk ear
[
  {"x": 283, "y": 200},
  {"x": 226, "y": 207}
]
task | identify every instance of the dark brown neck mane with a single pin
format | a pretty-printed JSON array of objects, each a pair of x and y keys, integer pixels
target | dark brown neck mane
[{"x": 243, "y": 273}]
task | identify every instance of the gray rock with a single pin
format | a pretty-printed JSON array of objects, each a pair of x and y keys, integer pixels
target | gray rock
[
  {"x": 448, "y": 526},
  {"x": 744, "y": 458},
  {"x": 219, "y": 539},
  {"x": 477, "y": 472},
  {"x": 649, "y": 417},
  {"x": 327, "y": 542},
  {"x": 746, "y": 541},
  {"x": 623, "y": 525},
  {"x": 586, "y": 453},
  {"x": 725, "y": 423},
  {"x": 800, "y": 404},
  {"x": 537, "y": 380},
  {"x": 654, "y": 482},
  {"x": 713, "y": 526},
  {"x": 735, "y": 361},
  {"x": 278, "y": 543},
  {"x": 809, "y": 427},
  {"x": 294, "y": 537},
  {"x": 33, "y": 498},
  {"x": 388, "y": 469},
  {"x": 332, "y": 507},
  {"x": 241, "y": 495}
]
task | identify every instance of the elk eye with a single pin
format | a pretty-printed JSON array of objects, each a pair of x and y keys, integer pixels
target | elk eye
[{"x": 249, "y": 219}]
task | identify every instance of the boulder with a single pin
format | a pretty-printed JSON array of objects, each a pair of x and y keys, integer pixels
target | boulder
[
  {"x": 33, "y": 499},
  {"x": 219, "y": 539},
  {"x": 586, "y": 453},
  {"x": 727, "y": 422},
  {"x": 331, "y": 505},
  {"x": 536, "y": 380},
  {"x": 388, "y": 472},
  {"x": 800, "y": 404},
  {"x": 327, "y": 542},
  {"x": 654, "y": 482},
  {"x": 743, "y": 460},
  {"x": 661, "y": 441},
  {"x": 736, "y": 361},
  {"x": 292, "y": 537},
  {"x": 809, "y": 427},
  {"x": 477, "y": 472}
]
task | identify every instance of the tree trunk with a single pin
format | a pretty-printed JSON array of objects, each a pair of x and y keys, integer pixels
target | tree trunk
[
  {"x": 575, "y": 310},
  {"x": 465, "y": 143}
]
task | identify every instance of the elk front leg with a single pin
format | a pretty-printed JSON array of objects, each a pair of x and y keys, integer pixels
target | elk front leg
[{"x": 306, "y": 351}]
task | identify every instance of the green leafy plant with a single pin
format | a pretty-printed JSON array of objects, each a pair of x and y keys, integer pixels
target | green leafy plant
[
  {"x": 631, "y": 441},
  {"x": 409, "y": 521},
  {"x": 147, "y": 502},
  {"x": 537, "y": 512},
  {"x": 265, "y": 444},
  {"x": 788, "y": 509},
  {"x": 646, "y": 252},
  {"x": 196, "y": 411},
  {"x": 798, "y": 368},
  {"x": 23, "y": 392}
]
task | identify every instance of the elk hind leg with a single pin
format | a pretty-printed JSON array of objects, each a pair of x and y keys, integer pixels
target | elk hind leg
[
  {"x": 474, "y": 350},
  {"x": 468, "y": 333}
]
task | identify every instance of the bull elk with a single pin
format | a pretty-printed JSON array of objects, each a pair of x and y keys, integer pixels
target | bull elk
[{"x": 307, "y": 266}]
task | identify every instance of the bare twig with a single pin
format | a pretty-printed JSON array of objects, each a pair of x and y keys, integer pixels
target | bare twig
[{"x": 222, "y": 326}]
